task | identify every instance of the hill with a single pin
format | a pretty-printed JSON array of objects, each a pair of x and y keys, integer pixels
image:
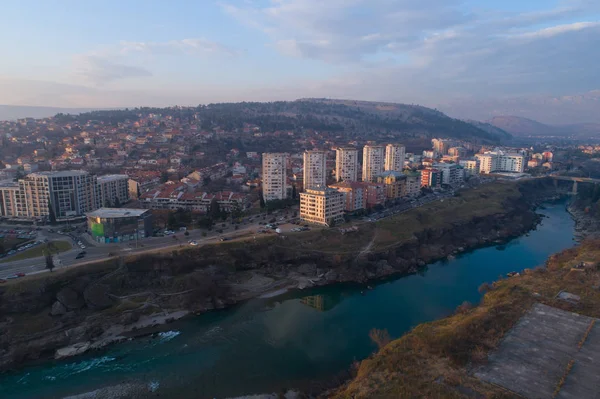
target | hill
[
  {"x": 12, "y": 112},
  {"x": 520, "y": 126},
  {"x": 360, "y": 119}
]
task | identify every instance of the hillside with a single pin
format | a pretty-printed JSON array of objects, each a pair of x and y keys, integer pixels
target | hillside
[
  {"x": 12, "y": 112},
  {"x": 528, "y": 127},
  {"x": 360, "y": 119}
]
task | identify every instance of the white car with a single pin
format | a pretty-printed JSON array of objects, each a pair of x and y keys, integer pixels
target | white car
[
  {"x": 193, "y": 243},
  {"x": 82, "y": 246}
]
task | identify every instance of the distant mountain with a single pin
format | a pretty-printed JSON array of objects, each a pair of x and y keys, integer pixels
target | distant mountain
[
  {"x": 528, "y": 127},
  {"x": 490, "y": 129},
  {"x": 12, "y": 112}
]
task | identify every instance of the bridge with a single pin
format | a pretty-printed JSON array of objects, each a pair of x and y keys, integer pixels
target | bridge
[{"x": 575, "y": 181}]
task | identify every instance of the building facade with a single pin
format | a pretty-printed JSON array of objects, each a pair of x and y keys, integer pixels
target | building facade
[
  {"x": 394, "y": 157},
  {"x": 113, "y": 225},
  {"x": 412, "y": 187},
  {"x": 112, "y": 190},
  {"x": 498, "y": 161},
  {"x": 394, "y": 183},
  {"x": 315, "y": 170},
  {"x": 354, "y": 195},
  {"x": 322, "y": 206},
  {"x": 471, "y": 166},
  {"x": 274, "y": 176},
  {"x": 431, "y": 178},
  {"x": 346, "y": 164},
  {"x": 373, "y": 162},
  {"x": 452, "y": 174}
]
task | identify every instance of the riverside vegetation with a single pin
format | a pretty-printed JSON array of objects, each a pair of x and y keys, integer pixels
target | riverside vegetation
[{"x": 92, "y": 305}]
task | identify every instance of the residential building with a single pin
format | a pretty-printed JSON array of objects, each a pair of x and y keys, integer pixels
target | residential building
[
  {"x": 354, "y": 195},
  {"x": 534, "y": 163},
  {"x": 441, "y": 146},
  {"x": 274, "y": 176},
  {"x": 412, "y": 188},
  {"x": 346, "y": 164},
  {"x": 315, "y": 171},
  {"x": 394, "y": 182},
  {"x": 499, "y": 161},
  {"x": 431, "y": 178},
  {"x": 108, "y": 225},
  {"x": 11, "y": 203},
  {"x": 112, "y": 190},
  {"x": 373, "y": 162},
  {"x": 457, "y": 152},
  {"x": 394, "y": 157},
  {"x": 452, "y": 174},
  {"x": 69, "y": 193},
  {"x": 471, "y": 166},
  {"x": 374, "y": 194},
  {"x": 321, "y": 205}
]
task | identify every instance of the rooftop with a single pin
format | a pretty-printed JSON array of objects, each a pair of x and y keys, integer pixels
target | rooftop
[
  {"x": 107, "y": 178},
  {"x": 60, "y": 173},
  {"x": 116, "y": 213}
]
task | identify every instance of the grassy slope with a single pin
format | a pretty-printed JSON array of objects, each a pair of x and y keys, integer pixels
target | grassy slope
[
  {"x": 434, "y": 358},
  {"x": 39, "y": 250}
]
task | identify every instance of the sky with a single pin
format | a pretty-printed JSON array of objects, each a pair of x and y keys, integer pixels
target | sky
[{"x": 471, "y": 58}]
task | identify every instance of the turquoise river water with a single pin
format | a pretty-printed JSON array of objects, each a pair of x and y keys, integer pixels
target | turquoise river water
[{"x": 297, "y": 340}]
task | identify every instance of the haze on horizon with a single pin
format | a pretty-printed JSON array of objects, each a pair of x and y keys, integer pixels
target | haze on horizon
[{"x": 471, "y": 59}]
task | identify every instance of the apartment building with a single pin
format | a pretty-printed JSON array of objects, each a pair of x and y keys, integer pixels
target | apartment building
[
  {"x": 354, "y": 194},
  {"x": 346, "y": 164},
  {"x": 394, "y": 183},
  {"x": 373, "y": 162},
  {"x": 412, "y": 188},
  {"x": 452, "y": 174},
  {"x": 11, "y": 202},
  {"x": 112, "y": 190},
  {"x": 499, "y": 161},
  {"x": 274, "y": 176},
  {"x": 322, "y": 206},
  {"x": 431, "y": 178},
  {"x": 315, "y": 171},
  {"x": 394, "y": 157},
  {"x": 471, "y": 166}
]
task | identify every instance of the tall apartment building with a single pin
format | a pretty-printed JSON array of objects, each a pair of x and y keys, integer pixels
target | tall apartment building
[
  {"x": 452, "y": 174},
  {"x": 322, "y": 206},
  {"x": 471, "y": 166},
  {"x": 441, "y": 146},
  {"x": 413, "y": 183},
  {"x": 112, "y": 190},
  {"x": 498, "y": 161},
  {"x": 274, "y": 176},
  {"x": 315, "y": 170},
  {"x": 69, "y": 193},
  {"x": 394, "y": 157},
  {"x": 373, "y": 162},
  {"x": 346, "y": 164},
  {"x": 12, "y": 202},
  {"x": 431, "y": 178}
]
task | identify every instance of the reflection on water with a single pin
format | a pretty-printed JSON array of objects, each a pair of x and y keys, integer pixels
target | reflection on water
[{"x": 273, "y": 344}]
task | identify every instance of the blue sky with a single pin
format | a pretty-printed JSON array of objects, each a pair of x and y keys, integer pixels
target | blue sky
[{"x": 434, "y": 52}]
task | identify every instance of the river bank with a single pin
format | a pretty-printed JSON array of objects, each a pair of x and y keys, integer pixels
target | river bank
[
  {"x": 586, "y": 227},
  {"x": 302, "y": 339},
  {"x": 89, "y": 309}
]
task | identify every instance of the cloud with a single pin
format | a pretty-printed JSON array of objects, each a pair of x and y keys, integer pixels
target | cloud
[
  {"x": 197, "y": 47},
  {"x": 100, "y": 70}
]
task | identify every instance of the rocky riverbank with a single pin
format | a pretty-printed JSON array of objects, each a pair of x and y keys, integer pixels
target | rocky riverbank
[
  {"x": 86, "y": 308},
  {"x": 585, "y": 225}
]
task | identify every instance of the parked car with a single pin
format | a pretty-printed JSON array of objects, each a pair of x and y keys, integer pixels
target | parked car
[
  {"x": 193, "y": 243},
  {"x": 20, "y": 274},
  {"x": 224, "y": 238}
]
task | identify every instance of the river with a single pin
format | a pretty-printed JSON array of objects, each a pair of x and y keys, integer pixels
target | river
[{"x": 292, "y": 341}]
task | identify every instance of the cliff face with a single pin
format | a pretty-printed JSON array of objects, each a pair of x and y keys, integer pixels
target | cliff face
[{"x": 87, "y": 304}]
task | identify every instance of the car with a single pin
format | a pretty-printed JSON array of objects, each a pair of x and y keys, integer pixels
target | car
[
  {"x": 79, "y": 256},
  {"x": 82, "y": 246},
  {"x": 224, "y": 238},
  {"x": 20, "y": 274},
  {"x": 12, "y": 252},
  {"x": 193, "y": 243},
  {"x": 79, "y": 243}
]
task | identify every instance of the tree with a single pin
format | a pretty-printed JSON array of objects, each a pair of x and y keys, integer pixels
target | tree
[
  {"x": 117, "y": 202},
  {"x": 215, "y": 209},
  {"x": 171, "y": 220},
  {"x": 51, "y": 214},
  {"x": 262, "y": 200},
  {"x": 164, "y": 177},
  {"x": 49, "y": 261},
  {"x": 294, "y": 193},
  {"x": 331, "y": 222}
]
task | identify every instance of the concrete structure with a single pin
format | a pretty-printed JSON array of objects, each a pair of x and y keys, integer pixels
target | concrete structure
[
  {"x": 412, "y": 188},
  {"x": 11, "y": 201},
  {"x": 441, "y": 146},
  {"x": 354, "y": 195},
  {"x": 394, "y": 157},
  {"x": 322, "y": 205},
  {"x": 274, "y": 176},
  {"x": 431, "y": 178},
  {"x": 108, "y": 225},
  {"x": 112, "y": 190},
  {"x": 460, "y": 152},
  {"x": 69, "y": 194},
  {"x": 346, "y": 164},
  {"x": 452, "y": 174},
  {"x": 315, "y": 171},
  {"x": 471, "y": 166},
  {"x": 394, "y": 182},
  {"x": 373, "y": 162},
  {"x": 499, "y": 161}
]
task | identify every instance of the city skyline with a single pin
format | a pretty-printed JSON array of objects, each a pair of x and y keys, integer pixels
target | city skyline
[{"x": 467, "y": 59}]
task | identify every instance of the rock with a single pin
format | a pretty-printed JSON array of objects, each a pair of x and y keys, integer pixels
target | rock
[
  {"x": 73, "y": 350},
  {"x": 384, "y": 268},
  {"x": 70, "y": 298},
  {"x": 308, "y": 269},
  {"x": 96, "y": 296},
  {"x": 129, "y": 318},
  {"x": 58, "y": 309},
  {"x": 331, "y": 275}
]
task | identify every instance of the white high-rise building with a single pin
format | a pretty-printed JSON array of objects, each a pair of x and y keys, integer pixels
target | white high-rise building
[
  {"x": 471, "y": 166},
  {"x": 346, "y": 164},
  {"x": 498, "y": 161},
  {"x": 315, "y": 170},
  {"x": 373, "y": 160},
  {"x": 274, "y": 176},
  {"x": 394, "y": 157}
]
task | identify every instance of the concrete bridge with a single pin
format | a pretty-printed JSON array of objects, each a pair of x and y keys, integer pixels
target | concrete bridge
[{"x": 575, "y": 181}]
